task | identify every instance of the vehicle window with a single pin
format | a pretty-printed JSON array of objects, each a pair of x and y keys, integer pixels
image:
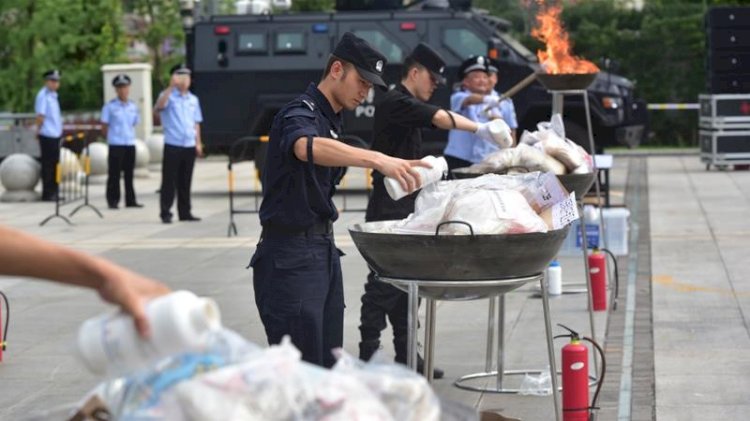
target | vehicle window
[
  {"x": 464, "y": 42},
  {"x": 290, "y": 43},
  {"x": 382, "y": 43},
  {"x": 251, "y": 43}
]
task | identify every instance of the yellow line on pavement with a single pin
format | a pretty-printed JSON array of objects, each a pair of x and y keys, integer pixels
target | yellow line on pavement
[{"x": 669, "y": 282}]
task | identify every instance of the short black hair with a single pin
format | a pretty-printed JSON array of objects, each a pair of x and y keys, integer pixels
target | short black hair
[
  {"x": 410, "y": 63},
  {"x": 332, "y": 59}
]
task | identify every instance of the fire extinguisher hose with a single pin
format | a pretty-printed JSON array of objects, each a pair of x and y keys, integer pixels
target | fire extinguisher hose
[
  {"x": 4, "y": 339},
  {"x": 600, "y": 382},
  {"x": 617, "y": 277}
]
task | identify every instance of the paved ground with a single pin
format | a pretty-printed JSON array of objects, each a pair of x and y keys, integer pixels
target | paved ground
[{"x": 677, "y": 346}]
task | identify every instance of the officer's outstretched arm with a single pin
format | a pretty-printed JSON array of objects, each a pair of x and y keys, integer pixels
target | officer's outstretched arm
[
  {"x": 333, "y": 153},
  {"x": 442, "y": 120},
  {"x": 25, "y": 255}
]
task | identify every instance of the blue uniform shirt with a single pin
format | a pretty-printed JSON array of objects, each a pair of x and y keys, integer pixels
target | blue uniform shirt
[
  {"x": 298, "y": 194},
  {"x": 465, "y": 145},
  {"x": 506, "y": 110},
  {"x": 121, "y": 117},
  {"x": 179, "y": 117},
  {"x": 46, "y": 104}
]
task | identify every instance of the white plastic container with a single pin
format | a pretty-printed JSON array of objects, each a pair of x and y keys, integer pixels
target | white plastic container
[
  {"x": 428, "y": 175},
  {"x": 617, "y": 221},
  {"x": 554, "y": 278},
  {"x": 180, "y": 322},
  {"x": 501, "y": 132}
]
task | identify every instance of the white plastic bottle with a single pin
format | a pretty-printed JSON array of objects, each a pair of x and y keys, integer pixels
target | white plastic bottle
[
  {"x": 501, "y": 132},
  {"x": 180, "y": 322},
  {"x": 428, "y": 176},
  {"x": 554, "y": 278}
]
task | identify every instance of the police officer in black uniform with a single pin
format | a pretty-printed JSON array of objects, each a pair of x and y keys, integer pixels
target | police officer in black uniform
[
  {"x": 399, "y": 120},
  {"x": 296, "y": 268}
]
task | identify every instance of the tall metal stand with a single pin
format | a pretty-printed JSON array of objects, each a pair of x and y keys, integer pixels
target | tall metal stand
[
  {"x": 415, "y": 286},
  {"x": 558, "y": 108}
]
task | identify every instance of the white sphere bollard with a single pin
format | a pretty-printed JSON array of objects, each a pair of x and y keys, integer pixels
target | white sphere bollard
[
  {"x": 98, "y": 153},
  {"x": 99, "y": 166},
  {"x": 19, "y": 174},
  {"x": 69, "y": 165},
  {"x": 155, "y": 144},
  {"x": 141, "y": 159}
]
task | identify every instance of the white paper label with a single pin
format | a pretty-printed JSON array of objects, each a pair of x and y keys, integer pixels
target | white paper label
[
  {"x": 548, "y": 192},
  {"x": 564, "y": 212}
]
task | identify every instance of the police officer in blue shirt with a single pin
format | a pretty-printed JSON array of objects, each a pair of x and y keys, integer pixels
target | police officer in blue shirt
[
  {"x": 181, "y": 115},
  {"x": 119, "y": 118},
  {"x": 49, "y": 124},
  {"x": 463, "y": 148},
  {"x": 296, "y": 268}
]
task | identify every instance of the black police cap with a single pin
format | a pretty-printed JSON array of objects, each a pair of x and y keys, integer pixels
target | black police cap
[
  {"x": 53, "y": 74},
  {"x": 472, "y": 64},
  {"x": 368, "y": 61},
  {"x": 180, "y": 69},
  {"x": 493, "y": 66},
  {"x": 431, "y": 60},
  {"x": 121, "y": 80}
]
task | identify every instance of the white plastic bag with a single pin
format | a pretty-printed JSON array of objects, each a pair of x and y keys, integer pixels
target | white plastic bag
[{"x": 406, "y": 394}]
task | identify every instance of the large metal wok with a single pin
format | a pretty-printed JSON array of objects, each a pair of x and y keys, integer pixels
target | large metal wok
[
  {"x": 456, "y": 259},
  {"x": 579, "y": 183}
]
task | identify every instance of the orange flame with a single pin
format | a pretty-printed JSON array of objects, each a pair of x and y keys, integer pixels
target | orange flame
[{"x": 558, "y": 57}]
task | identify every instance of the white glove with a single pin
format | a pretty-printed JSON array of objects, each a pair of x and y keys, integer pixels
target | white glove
[
  {"x": 496, "y": 131},
  {"x": 490, "y": 101}
]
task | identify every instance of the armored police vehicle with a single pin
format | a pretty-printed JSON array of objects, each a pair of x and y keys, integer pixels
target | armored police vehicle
[{"x": 245, "y": 67}]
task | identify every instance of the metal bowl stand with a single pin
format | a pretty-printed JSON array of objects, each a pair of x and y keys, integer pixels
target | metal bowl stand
[
  {"x": 558, "y": 97},
  {"x": 413, "y": 287}
]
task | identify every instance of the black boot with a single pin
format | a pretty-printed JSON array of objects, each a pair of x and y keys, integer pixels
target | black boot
[{"x": 368, "y": 348}]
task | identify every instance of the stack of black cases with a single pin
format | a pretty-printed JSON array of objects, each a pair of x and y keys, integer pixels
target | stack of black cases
[
  {"x": 725, "y": 129},
  {"x": 725, "y": 110}
]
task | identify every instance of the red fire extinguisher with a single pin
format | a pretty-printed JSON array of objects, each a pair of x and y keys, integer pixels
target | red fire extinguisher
[
  {"x": 575, "y": 377},
  {"x": 598, "y": 279}
]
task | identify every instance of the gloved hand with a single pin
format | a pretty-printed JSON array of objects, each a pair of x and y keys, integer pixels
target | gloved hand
[
  {"x": 490, "y": 101},
  {"x": 496, "y": 131}
]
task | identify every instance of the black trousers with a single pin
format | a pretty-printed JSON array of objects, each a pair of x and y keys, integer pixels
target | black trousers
[
  {"x": 299, "y": 292},
  {"x": 176, "y": 174},
  {"x": 50, "y": 147},
  {"x": 121, "y": 160},
  {"x": 379, "y": 301}
]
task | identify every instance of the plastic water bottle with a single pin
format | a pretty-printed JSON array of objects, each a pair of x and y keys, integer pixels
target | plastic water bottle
[
  {"x": 428, "y": 176},
  {"x": 180, "y": 322},
  {"x": 554, "y": 278}
]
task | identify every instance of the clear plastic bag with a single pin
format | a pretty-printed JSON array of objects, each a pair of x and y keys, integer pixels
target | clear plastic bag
[
  {"x": 536, "y": 384},
  {"x": 236, "y": 380},
  {"x": 406, "y": 394}
]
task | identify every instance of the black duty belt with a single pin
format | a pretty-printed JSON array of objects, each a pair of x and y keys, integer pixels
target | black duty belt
[{"x": 318, "y": 228}]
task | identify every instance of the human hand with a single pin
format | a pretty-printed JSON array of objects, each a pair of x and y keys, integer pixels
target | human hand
[
  {"x": 490, "y": 101},
  {"x": 403, "y": 171},
  {"x": 199, "y": 149},
  {"x": 131, "y": 291},
  {"x": 496, "y": 131}
]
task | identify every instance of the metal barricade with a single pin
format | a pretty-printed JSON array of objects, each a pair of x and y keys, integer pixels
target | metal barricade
[
  {"x": 72, "y": 177},
  {"x": 254, "y": 148}
]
